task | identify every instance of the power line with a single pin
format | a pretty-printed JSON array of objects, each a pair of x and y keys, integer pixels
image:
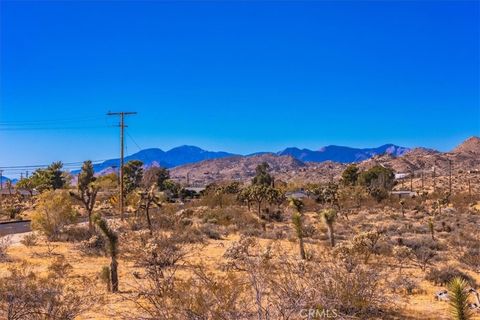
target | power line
[
  {"x": 29, "y": 122},
  {"x": 50, "y": 128},
  {"x": 122, "y": 141},
  {"x": 46, "y": 165}
]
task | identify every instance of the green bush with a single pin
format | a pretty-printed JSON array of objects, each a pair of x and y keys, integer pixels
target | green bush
[{"x": 54, "y": 210}]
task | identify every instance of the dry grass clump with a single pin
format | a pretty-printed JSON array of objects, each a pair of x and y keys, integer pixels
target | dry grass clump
[
  {"x": 25, "y": 295},
  {"x": 5, "y": 242}
]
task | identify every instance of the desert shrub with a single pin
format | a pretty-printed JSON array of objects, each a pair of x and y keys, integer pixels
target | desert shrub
[
  {"x": 30, "y": 239},
  {"x": 416, "y": 243},
  {"x": 13, "y": 212},
  {"x": 252, "y": 233},
  {"x": 104, "y": 276},
  {"x": 350, "y": 293},
  {"x": 189, "y": 234},
  {"x": 273, "y": 215},
  {"x": 446, "y": 274},
  {"x": 164, "y": 220},
  {"x": 60, "y": 267},
  {"x": 5, "y": 242},
  {"x": 368, "y": 243},
  {"x": 159, "y": 252},
  {"x": 231, "y": 215},
  {"x": 471, "y": 257},
  {"x": 348, "y": 255},
  {"x": 211, "y": 231},
  {"x": 27, "y": 296},
  {"x": 95, "y": 245},
  {"x": 53, "y": 212},
  {"x": 422, "y": 257},
  {"x": 405, "y": 285},
  {"x": 76, "y": 233}
]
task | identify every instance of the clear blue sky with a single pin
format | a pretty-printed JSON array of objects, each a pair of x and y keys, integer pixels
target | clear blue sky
[{"x": 235, "y": 76}]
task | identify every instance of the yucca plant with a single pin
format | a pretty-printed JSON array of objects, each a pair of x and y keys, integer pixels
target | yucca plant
[
  {"x": 329, "y": 216},
  {"x": 105, "y": 277},
  {"x": 458, "y": 293},
  {"x": 112, "y": 238},
  {"x": 298, "y": 225}
]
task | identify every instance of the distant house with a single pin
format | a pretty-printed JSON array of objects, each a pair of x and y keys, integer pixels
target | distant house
[
  {"x": 401, "y": 175},
  {"x": 195, "y": 189},
  {"x": 404, "y": 194},
  {"x": 297, "y": 194}
]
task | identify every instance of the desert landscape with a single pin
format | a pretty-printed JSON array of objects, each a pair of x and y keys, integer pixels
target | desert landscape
[
  {"x": 278, "y": 243},
  {"x": 239, "y": 160}
]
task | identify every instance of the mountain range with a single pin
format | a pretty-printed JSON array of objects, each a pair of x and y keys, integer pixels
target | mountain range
[
  {"x": 190, "y": 154},
  {"x": 463, "y": 161}
]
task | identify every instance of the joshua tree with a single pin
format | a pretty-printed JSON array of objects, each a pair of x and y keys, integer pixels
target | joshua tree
[
  {"x": 87, "y": 190},
  {"x": 459, "y": 299},
  {"x": 149, "y": 198},
  {"x": 297, "y": 221},
  {"x": 329, "y": 216},
  {"x": 113, "y": 249},
  {"x": 298, "y": 225}
]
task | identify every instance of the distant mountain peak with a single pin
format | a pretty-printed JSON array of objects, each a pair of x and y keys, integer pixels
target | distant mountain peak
[{"x": 471, "y": 145}]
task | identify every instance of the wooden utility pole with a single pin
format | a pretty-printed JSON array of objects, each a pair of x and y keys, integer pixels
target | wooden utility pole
[
  {"x": 434, "y": 178},
  {"x": 122, "y": 129},
  {"x": 411, "y": 180},
  {"x": 450, "y": 176}
]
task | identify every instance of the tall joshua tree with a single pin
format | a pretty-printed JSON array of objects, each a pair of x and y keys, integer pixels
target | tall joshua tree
[
  {"x": 112, "y": 238},
  {"x": 87, "y": 190},
  {"x": 148, "y": 199},
  {"x": 459, "y": 299},
  {"x": 297, "y": 220},
  {"x": 329, "y": 216}
]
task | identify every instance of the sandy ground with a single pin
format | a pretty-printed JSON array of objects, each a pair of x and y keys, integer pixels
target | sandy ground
[{"x": 417, "y": 306}]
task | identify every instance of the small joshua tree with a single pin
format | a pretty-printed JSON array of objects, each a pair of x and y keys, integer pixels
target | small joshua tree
[
  {"x": 298, "y": 205},
  {"x": 459, "y": 299},
  {"x": 298, "y": 225},
  {"x": 329, "y": 216},
  {"x": 147, "y": 200},
  {"x": 113, "y": 249}
]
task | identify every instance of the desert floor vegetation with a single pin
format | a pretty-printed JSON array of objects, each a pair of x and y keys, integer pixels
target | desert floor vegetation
[{"x": 243, "y": 251}]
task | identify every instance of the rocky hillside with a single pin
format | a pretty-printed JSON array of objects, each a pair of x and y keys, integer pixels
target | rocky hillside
[{"x": 464, "y": 158}]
